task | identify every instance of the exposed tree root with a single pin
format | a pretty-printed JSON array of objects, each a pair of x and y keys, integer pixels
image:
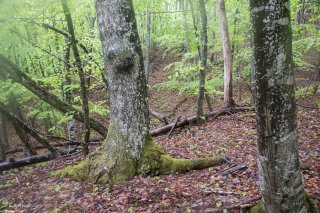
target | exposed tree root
[{"x": 153, "y": 161}]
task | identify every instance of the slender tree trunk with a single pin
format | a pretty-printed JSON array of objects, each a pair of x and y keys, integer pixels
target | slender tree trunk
[
  {"x": 4, "y": 143},
  {"x": 147, "y": 67},
  {"x": 228, "y": 97},
  {"x": 12, "y": 71},
  {"x": 278, "y": 160},
  {"x": 185, "y": 25},
  {"x": 83, "y": 86},
  {"x": 3, "y": 132},
  {"x": 68, "y": 93},
  {"x": 203, "y": 57}
]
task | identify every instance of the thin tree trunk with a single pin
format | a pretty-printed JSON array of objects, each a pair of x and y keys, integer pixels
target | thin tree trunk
[
  {"x": 68, "y": 93},
  {"x": 4, "y": 143},
  {"x": 203, "y": 57},
  {"x": 185, "y": 25},
  {"x": 147, "y": 66},
  {"x": 83, "y": 86},
  {"x": 3, "y": 132},
  {"x": 40, "y": 138},
  {"x": 228, "y": 97},
  {"x": 12, "y": 71},
  {"x": 278, "y": 159}
]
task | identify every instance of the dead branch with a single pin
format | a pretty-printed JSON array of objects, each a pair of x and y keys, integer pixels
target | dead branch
[
  {"x": 193, "y": 119},
  {"x": 174, "y": 126},
  {"x": 31, "y": 160},
  {"x": 158, "y": 116},
  {"x": 233, "y": 169}
]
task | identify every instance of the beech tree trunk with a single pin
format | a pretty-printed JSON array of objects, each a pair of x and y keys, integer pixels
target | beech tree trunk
[
  {"x": 129, "y": 115},
  {"x": 278, "y": 161},
  {"x": 128, "y": 149},
  {"x": 12, "y": 71},
  {"x": 227, "y": 54}
]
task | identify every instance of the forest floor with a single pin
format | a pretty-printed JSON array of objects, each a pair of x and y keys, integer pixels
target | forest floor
[{"x": 33, "y": 189}]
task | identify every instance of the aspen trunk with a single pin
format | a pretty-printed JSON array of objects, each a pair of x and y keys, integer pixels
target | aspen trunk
[
  {"x": 227, "y": 54},
  {"x": 278, "y": 161}
]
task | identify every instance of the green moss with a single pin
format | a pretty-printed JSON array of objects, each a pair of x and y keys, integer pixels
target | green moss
[
  {"x": 6, "y": 184},
  {"x": 257, "y": 208},
  {"x": 311, "y": 205},
  {"x": 154, "y": 161},
  {"x": 79, "y": 172}
]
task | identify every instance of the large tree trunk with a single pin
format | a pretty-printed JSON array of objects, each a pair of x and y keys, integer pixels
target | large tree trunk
[
  {"x": 128, "y": 149},
  {"x": 12, "y": 71},
  {"x": 278, "y": 161},
  {"x": 228, "y": 97},
  {"x": 83, "y": 86}
]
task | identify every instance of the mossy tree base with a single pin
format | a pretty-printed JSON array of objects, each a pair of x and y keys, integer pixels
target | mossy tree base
[
  {"x": 309, "y": 203},
  {"x": 153, "y": 161}
]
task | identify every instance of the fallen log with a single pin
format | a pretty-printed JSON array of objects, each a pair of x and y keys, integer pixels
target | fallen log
[
  {"x": 31, "y": 160},
  {"x": 12, "y": 151},
  {"x": 193, "y": 119}
]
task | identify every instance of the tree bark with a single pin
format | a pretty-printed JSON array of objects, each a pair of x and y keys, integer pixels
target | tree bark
[
  {"x": 278, "y": 160},
  {"x": 12, "y": 71},
  {"x": 227, "y": 54},
  {"x": 83, "y": 86}
]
